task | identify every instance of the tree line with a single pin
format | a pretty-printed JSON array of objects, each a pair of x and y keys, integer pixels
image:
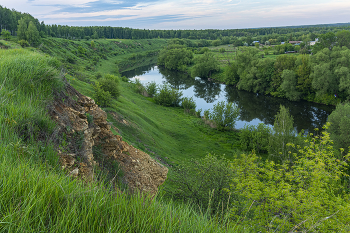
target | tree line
[
  {"x": 9, "y": 21},
  {"x": 322, "y": 77}
]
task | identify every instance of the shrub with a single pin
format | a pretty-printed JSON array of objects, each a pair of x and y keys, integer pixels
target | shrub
[
  {"x": 168, "y": 96},
  {"x": 188, "y": 104},
  {"x": 111, "y": 86},
  {"x": 139, "y": 88},
  {"x": 255, "y": 138},
  {"x": 307, "y": 195},
  {"x": 224, "y": 115},
  {"x": 101, "y": 97},
  {"x": 151, "y": 88},
  {"x": 23, "y": 43},
  {"x": 204, "y": 183}
]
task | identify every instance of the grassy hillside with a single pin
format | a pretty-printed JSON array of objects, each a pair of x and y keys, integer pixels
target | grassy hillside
[{"x": 35, "y": 195}]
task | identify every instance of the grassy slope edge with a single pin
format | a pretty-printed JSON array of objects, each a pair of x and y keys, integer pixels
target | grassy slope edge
[{"x": 35, "y": 195}]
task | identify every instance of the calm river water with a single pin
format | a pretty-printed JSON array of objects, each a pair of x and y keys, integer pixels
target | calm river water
[{"x": 255, "y": 108}]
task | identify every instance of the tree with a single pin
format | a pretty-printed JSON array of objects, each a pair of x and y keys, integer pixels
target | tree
[
  {"x": 340, "y": 126},
  {"x": 283, "y": 132},
  {"x": 6, "y": 34},
  {"x": 224, "y": 115},
  {"x": 22, "y": 29},
  {"x": 32, "y": 34},
  {"x": 343, "y": 38},
  {"x": 175, "y": 57},
  {"x": 205, "y": 65},
  {"x": 289, "y": 84}
]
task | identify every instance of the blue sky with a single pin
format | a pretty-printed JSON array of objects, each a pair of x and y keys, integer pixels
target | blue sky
[{"x": 185, "y": 14}]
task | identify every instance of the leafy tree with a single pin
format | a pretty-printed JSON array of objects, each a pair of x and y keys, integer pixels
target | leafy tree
[
  {"x": 205, "y": 65},
  {"x": 303, "y": 72},
  {"x": 92, "y": 44},
  {"x": 283, "y": 62},
  {"x": 258, "y": 77},
  {"x": 340, "y": 126},
  {"x": 32, "y": 34},
  {"x": 231, "y": 74},
  {"x": 175, "y": 58},
  {"x": 289, "y": 85},
  {"x": 323, "y": 78},
  {"x": 343, "y": 38},
  {"x": 283, "y": 133},
  {"x": 22, "y": 29},
  {"x": 224, "y": 115},
  {"x": 5, "y": 34},
  {"x": 307, "y": 195}
]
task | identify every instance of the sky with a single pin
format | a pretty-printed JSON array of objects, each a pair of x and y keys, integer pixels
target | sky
[{"x": 185, "y": 14}]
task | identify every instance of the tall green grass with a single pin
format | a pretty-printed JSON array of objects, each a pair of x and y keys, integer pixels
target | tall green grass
[{"x": 35, "y": 196}]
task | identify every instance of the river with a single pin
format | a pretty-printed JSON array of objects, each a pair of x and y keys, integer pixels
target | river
[{"x": 255, "y": 108}]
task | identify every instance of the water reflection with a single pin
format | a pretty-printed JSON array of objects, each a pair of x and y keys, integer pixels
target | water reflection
[
  {"x": 177, "y": 80},
  {"x": 307, "y": 116},
  {"x": 255, "y": 108},
  {"x": 209, "y": 91},
  {"x": 138, "y": 71}
]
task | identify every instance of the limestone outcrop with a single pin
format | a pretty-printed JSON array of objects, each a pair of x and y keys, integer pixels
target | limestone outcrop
[{"x": 84, "y": 126}]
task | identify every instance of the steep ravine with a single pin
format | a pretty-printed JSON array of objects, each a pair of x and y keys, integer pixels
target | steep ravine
[{"x": 83, "y": 126}]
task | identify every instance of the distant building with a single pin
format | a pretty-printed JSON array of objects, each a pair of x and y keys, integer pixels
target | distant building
[
  {"x": 283, "y": 42},
  {"x": 255, "y": 41},
  {"x": 314, "y": 42},
  {"x": 295, "y": 42}
]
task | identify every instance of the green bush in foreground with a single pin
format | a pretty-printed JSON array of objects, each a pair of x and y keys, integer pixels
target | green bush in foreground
[
  {"x": 307, "y": 195},
  {"x": 204, "y": 183}
]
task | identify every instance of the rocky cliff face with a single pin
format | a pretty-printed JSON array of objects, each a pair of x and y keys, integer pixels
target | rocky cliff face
[{"x": 83, "y": 127}]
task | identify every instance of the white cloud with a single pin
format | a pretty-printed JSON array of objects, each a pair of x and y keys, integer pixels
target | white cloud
[{"x": 196, "y": 14}]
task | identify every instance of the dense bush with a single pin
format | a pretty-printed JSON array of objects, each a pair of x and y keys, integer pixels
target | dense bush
[
  {"x": 138, "y": 87},
  {"x": 224, "y": 115},
  {"x": 255, "y": 138},
  {"x": 204, "y": 183},
  {"x": 101, "y": 97},
  {"x": 151, "y": 88},
  {"x": 168, "y": 96},
  {"x": 188, "y": 104},
  {"x": 110, "y": 83},
  {"x": 306, "y": 195}
]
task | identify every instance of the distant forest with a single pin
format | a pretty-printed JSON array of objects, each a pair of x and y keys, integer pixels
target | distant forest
[{"x": 9, "y": 21}]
